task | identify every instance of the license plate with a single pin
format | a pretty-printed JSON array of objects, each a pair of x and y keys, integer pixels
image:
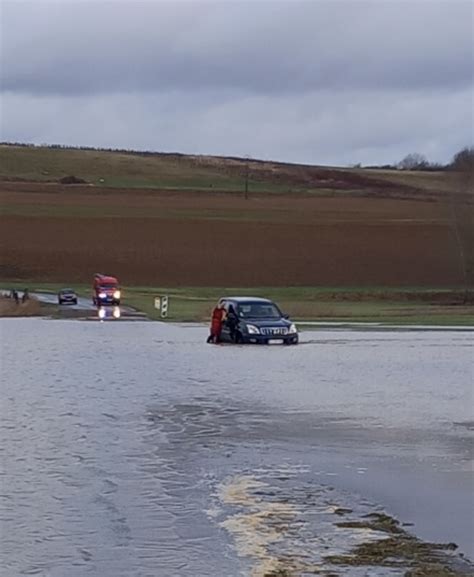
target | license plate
[{"x": 275, "y": 342}]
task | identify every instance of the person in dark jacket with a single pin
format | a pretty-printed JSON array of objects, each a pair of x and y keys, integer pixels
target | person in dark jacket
[
  {"x": 232, "y": 320},
  {"x": 26, "y": 296}
]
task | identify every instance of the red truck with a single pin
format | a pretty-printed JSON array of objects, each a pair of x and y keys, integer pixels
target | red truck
[{"x": 105, "y": 290}]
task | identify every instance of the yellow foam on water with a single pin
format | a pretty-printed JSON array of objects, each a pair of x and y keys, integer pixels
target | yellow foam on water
[
  {"x": 264, "y": 523},
  {"x": 261, "y": 521}
]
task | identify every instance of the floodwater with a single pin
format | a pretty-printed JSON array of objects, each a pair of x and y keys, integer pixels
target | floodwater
[{"x": 134, "y": 449}]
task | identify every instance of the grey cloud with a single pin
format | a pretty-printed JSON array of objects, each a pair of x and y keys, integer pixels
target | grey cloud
[
  {"x": 330, "y": 81},
  {"x": 259, "y": 47},
  {"x": 314, "y": 127}
]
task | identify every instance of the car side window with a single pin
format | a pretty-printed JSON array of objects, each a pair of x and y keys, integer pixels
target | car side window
[{"x": 244, "y": 310}]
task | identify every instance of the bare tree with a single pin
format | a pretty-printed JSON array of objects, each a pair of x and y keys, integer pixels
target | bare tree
[
  {"x": 461, "y": 205},
  {"x": 463, "y": 162},
  {"x": 413, "y": 161}
]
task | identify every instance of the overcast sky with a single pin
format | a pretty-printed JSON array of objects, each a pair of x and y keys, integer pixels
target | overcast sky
[{"x": 320, "y": 81}]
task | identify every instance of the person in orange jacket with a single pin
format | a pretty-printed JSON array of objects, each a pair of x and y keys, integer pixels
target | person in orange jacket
[{"x": 217, "y": 319}]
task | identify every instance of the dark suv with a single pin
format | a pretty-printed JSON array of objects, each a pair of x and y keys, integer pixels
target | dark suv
[{"x": 258, "y": 321}]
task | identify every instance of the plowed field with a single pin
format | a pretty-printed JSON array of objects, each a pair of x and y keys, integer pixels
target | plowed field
[{"x": 66, "y": 233}]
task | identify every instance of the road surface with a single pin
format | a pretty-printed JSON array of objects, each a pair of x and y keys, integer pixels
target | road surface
[{"x": 84, "y": 305}]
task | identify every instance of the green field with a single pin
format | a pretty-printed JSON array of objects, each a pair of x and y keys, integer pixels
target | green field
[
  {"x": 309, "y": 304},
  {"x": 122, "y": 170},
  {"x": 405, "y": 306}
]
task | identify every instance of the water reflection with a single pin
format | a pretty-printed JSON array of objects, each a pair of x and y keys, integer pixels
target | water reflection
[{"x": 109, "y": 313}]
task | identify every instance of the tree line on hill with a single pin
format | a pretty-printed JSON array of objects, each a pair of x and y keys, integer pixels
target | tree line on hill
[
  {"x": 463, "y": 160},
  {"x": 92, "y": 148}
]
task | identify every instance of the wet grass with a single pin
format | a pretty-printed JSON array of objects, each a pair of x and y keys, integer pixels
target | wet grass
[
  {"x": 30, "y": 308},
  {"x": 398, "y": 549},
  {"x": 373, "y": 543},
  {"x": 304, "y": 304},
  {"x": 195, "y": 304},
  {"x": 341, "y": 511}
]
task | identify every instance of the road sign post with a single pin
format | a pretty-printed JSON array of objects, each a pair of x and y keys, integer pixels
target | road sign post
[
  {"x": 164, "y": 306},
  {"x": 161, "y": 304}
]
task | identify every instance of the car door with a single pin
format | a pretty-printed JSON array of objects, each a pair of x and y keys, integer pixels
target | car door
[{"x": 225, "y": 334}]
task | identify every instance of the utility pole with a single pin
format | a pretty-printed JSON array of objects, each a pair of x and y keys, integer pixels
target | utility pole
[{"x": 246, "y": 178}]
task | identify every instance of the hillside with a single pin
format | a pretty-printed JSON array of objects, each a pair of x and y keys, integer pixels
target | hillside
[{"x": 186, "y": 172}]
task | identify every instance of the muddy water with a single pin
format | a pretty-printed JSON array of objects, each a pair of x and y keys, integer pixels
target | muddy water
[{"x": 134, "y": 449}]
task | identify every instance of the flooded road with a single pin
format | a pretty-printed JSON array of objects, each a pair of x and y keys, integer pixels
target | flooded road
[{"x": 135, "y": 449}]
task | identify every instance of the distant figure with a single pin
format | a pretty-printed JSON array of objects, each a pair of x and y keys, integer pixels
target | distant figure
[
  {"x": 232, "y": 320},
  {"x": 217, "y": 319},
  {"x": 14, "y": 296},
  {"x": 26, "y": 296}
]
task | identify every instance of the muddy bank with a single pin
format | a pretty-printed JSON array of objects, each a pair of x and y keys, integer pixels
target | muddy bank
[
  {"x": 270, "y": 521},
  {"x": 10, "y": 308}
]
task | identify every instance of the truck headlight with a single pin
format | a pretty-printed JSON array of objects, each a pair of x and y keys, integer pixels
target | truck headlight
[
  {"x": 102, "y": 295},
  {"x": 253, "y": 330},
  {"x": 292, "y": 330},
  {"x": 116, "y": 294}
]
